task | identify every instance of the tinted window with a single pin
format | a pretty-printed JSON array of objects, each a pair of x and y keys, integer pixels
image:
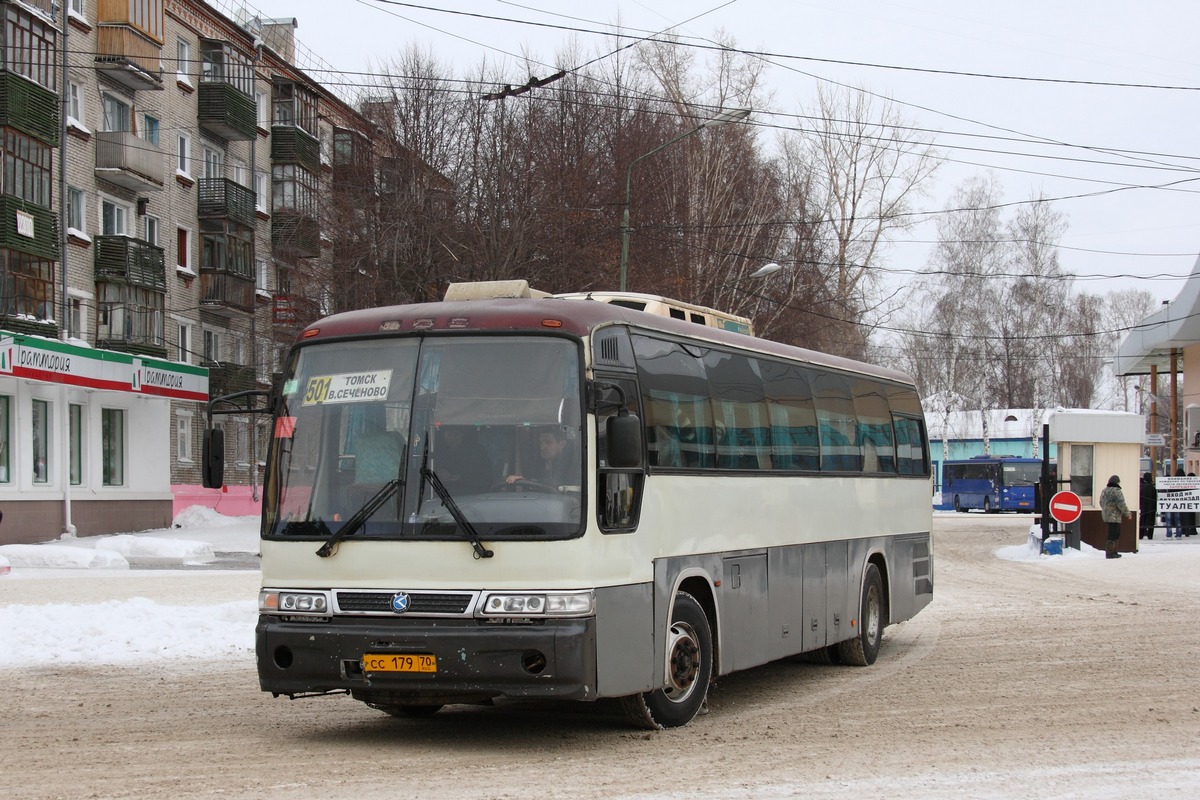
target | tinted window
[
  {"x": 739, "y": 411},
  {"x": 910, "y": 446},
  {"x": 874, "y": 432},
  {"x": 837, "y": 423},
  {"x": 794, "y": 441},
  {"x": 679, "y": 427}
]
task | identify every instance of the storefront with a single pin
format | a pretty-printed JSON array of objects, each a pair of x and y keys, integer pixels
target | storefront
[{"x": 84, "y": 438}]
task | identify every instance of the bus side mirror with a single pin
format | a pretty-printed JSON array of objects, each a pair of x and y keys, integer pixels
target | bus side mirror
[
  {"x": 212, "y": 458},
  {"x": 624, "y": 441}
]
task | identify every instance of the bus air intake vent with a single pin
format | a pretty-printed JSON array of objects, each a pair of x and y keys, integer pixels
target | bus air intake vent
[{"x": 380, "y": 602}]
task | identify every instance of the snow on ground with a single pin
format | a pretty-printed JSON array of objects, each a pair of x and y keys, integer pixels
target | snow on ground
[{"x": 129, "y": 629}]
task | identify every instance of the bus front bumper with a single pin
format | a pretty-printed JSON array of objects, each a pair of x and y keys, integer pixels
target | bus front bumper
[{"x": 472, "y": 660}]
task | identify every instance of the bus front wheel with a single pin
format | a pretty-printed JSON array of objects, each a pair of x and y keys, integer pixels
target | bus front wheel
[
  {"x": 689, "y": 668},
  {"x": 987, "y": 505},
  {"x": 862, "y": 650}
]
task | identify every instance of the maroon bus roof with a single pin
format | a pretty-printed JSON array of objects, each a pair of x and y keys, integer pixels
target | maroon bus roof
[{"x": 544, "y": 315}]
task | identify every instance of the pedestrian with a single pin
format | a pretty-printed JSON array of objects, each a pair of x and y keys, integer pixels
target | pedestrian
[
  {"x": 1147, "y": 507},
  {"x": 1112, "y": 510}
]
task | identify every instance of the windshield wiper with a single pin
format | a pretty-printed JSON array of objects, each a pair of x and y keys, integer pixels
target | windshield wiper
[
  {"x": 360, "y": 517},
  {"x": 444, "y": 495}
]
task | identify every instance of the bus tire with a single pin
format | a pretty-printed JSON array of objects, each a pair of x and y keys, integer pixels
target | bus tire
[
  {"x": 958, "y": 506},
  {"x": 689, "y": 669},
  {"x": 987, "y": 505},
  {"x": 862, "y": 650}
]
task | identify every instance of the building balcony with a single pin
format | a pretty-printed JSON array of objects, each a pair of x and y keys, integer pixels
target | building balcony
[
  {"x": 293, "y": 145},
  {"x": 222, "y": 198},
  {"x": 47, "y": 7},
  {"x": 226, "y": 378},
  {"x": 28, "y": 228},
  {"x": 221, "y": 290},
  {"x": 227, "y": 112},
  {"x": 29, "y": 108},
  {"x": 293, "y": 311},
  {"x": 126, "y": 160},
  {"x": 295, "y": 234},
  {"x": 128, "y": 57},
  {"x": 131, "y": 262}
]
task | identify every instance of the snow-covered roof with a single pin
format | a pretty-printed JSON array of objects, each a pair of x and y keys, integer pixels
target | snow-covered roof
[
  {"x": 1002, "y": 423},
  {"x": 1175, "y": 325}
]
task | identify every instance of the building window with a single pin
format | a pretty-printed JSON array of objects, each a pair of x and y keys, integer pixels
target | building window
[
  {"x": 219, "y": 62},
  {"x": 114, "y": 218},
  {"x": 75, "y": 420},
  {"x": 1082, "y": 471},
  {"x": 295, "y": 105},
  {"x": 226, "y": 246},
  {"x": 241, "y": 173},
  {"x": 183, "y": 151},
  {"x": 183, "y": 63},
  {"x": 75, "y": 102},
  {"x": 77, "y": 8},
  {"x": 129, "y": 314},
  {"x": 212, "y": 346},
  {"x": 116, "y": 114},
  {"x": 183, "y": 435},
  {"x": 29, "y": 46},
  {"x": 76, "y": 210},
  {"x": 152, "y": 227},
  {"x": 28, "y": 285},
  {"x": 260, "y": 191},
  {"x": 41, "y": 440},
  {"x": 150, "y": 129},
  {"x": 112, "y": 444},
  {"x": 75, "y": 317},
  {"x": 294, "y": 189},
  {"x": 260, "y": 275},
  {"x": 5, "y": 438},
  {"x": 183, "y": 249},
  {"x": 27, "y": 168},
  {"x": 184, "y": 352},
  {"x": 214, "y": 163},
  {"x": 263, "y": 107}
]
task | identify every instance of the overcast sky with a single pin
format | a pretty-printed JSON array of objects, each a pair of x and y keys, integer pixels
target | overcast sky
[{"x": 1137, "y": 232}]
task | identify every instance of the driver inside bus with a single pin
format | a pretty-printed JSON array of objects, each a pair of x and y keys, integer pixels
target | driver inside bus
[{"x": 556, "y": 465}]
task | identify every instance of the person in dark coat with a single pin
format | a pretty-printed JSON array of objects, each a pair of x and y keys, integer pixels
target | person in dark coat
[
  {"x": 1147, "y": 507},
  {"x": 1189, "y": 518},
  {"x": 1112, "y": 510}
]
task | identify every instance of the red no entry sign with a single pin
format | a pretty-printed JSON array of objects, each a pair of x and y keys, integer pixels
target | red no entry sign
[{"x": 1066, "y": 507}]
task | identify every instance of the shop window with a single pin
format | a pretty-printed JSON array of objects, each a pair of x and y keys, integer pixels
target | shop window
[{"x": 112, "y": 442}]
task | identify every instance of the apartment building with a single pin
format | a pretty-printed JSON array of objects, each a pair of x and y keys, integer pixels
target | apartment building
[{"x": 161, "y": 244}]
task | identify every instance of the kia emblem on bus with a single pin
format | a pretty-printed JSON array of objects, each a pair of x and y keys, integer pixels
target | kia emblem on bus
[{"x": 400, "y": 601}]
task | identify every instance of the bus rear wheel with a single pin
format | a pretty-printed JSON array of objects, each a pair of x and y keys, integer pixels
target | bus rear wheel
[
  {"x": 862, "y": 650},
  {"x": 689, "y": 668},
  {"x": 958, "y": 505},
  {"x": 987, "y": 505}
]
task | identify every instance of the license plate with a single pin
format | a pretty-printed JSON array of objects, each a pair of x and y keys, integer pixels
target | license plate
[{"x": 399, "y": 662}]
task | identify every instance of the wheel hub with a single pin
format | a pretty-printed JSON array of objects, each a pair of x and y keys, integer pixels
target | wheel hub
[{"x": 684, "y": 663}]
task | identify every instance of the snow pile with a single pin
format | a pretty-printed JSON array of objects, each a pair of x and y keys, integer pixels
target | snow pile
[
  {"x": 123, "y": 631},
  {"x": 204, "y": 517},
  {"x": 5, "y": 566},
  {"x": 153, "y": 551},
  {"x": 61, "y": 556}
]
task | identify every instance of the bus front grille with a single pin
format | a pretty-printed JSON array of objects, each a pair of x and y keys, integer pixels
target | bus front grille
[{"x": 380, "y": 602}]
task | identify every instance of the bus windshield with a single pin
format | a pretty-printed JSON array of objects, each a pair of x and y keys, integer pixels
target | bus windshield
[{"x": 495, "y": 420}]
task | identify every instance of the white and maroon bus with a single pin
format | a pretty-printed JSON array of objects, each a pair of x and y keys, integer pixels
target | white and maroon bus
[{"x": 548, "y": 498}]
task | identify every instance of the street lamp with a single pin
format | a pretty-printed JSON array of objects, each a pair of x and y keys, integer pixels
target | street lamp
[
  {"x": 766, "y": 269},
  {"x": 721, "y": 118}
]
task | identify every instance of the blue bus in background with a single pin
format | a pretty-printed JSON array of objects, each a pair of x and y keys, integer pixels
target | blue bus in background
[{"x": 991, "y": 483}]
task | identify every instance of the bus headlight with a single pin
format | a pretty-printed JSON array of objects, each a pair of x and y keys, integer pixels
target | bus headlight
[
  {"x": 275, "y": 601},
  {"x": 538, "y": 604}
]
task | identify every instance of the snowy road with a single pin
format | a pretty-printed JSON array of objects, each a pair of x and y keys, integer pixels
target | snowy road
[{"x": 1054, "y": 678}]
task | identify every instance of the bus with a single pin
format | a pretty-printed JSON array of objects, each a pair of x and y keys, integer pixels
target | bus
[
  {"x": 991, "y": 483},
  {"x": 720, "y": 502}
]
